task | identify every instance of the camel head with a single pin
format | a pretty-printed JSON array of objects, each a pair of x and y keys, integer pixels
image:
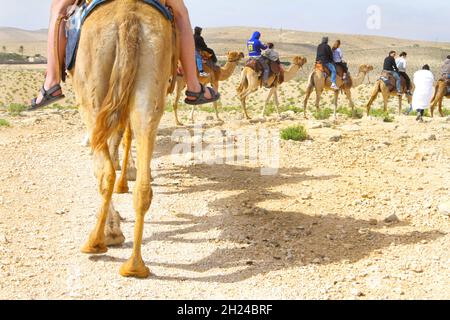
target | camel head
[
  {"x": 234, "y": 56},
  {"x": 299, "y": 61},
  {"x": 365, "y": 68}
]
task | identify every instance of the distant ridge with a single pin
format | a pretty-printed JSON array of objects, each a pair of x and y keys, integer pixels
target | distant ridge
[{"x": 8, "y": 34}]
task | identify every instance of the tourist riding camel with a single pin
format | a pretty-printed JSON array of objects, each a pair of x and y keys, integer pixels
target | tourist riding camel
[
  {"x": 446, "y": 68},
  {"x": 251, "y": 81},
  {"x": 338, "y": 58},
  {"x": 200, "y": 44},
  {"x": 401, "y": 65},
  {"x": 442, "y": 89},
  {"x": 255, "y": 48},
  {"x": 51, "y": 90},
  {"x": 325, "y": 57},
  {"x": 271, "y": 54},
  {"x": 390, "y": 67},
  {"x": 200, "y": 47}
]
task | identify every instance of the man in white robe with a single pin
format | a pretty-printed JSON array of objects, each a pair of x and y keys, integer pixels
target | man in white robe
[{"x": 423, "y": 92}]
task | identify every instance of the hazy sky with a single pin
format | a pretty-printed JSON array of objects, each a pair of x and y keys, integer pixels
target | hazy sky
[{"x": 412, "y": 19}]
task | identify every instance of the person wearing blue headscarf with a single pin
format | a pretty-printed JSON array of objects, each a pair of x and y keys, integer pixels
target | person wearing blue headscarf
[{"x": 255, "y": 48}]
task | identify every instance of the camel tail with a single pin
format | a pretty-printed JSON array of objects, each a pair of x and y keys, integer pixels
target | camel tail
[
  {"x": 115, "y": 110},
  {"x": 243, "y": 83},
  {"x": 436, "y": 89},
  {"x": 311, "y": 80}
]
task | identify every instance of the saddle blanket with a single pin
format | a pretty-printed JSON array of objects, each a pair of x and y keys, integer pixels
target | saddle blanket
[{"x": 75, "y": 23}]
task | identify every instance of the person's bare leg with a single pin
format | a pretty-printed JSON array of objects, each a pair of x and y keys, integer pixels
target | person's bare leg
[
  {"x": 187, "y": 46},
  {"x": 58, "y": 9}
]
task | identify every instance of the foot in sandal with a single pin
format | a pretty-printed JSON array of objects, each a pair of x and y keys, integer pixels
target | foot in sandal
[
  {"x": 204, "y": 96},
  {"x": 47, "y": 97}
]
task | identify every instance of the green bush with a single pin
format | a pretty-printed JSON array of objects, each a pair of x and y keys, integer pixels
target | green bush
[
  {"x": 295, "y": 133},
  {"x": 15, "y": 109},
  {"x": 379, "y": 113},
  {"x": 388, "y": 118},
  {"x": 357, "y": 113},
  {"x": 322, "y": 114},
  {"x": 4, "y": 123}
]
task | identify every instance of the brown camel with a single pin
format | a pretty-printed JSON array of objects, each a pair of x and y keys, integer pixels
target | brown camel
[
  {"x": 386, "y": 92},
  {"x": 318, "y": 82},
  {"x": 215, "y": 76},
  {"x": 126, "y": 57},
  {"x": 251, "y": 82},
  {"x": 439, "y": 94}
]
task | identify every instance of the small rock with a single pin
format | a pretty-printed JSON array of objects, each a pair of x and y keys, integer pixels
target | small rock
[
  {"x": 3, "y": 239},
  {"x": 61, "y": 212},
  {"x": 373, "y": 222},
  {"x": 307, "y": 196},
  {"x": 431, "y": 137},
  {"x": 317, "y": 261},
  {"x": 336, "y": 138},
  {"x": 31, "y": 121},
  {"x": 258, "y": 120},
  {"x": 357, "y": 293},
  {"x": 392, "y": 219},
  {"x": 444, "y": 209},
  {"x": 250, "y": 263}
]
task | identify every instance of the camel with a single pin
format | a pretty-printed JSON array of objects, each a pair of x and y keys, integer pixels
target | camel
[
  {"x": 318, "y": 82},
  {"x": 380, "y": 86},
  {"x": 251, "y": 82},
  {"x": 215, "y": 76},
  {"x": 126, "y": 57},
  {"x": 440, "y": 93}
]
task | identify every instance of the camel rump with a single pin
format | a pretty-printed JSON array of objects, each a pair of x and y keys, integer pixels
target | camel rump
[
  {"x": 339, "y": 71},
  {"x": 276, "y": 70}
]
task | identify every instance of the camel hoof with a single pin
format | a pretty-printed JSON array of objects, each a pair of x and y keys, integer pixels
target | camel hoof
[
  {"x": 121, "y": 189},
  {"x": 134, "y": 269},
  {"x": 131, "y": 174},
  {"x": 94, "y": 249},
  {"x": 114, "y": 240}
]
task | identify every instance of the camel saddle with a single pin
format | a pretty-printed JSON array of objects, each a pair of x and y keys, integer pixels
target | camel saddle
[
  {"x": 390, "y": 82},
  {"x": 275, "y": 70},
  {"x": 207, "y": 61},
  {"x": 77, "y": 18},
  {"x": 327, "y": 73}
]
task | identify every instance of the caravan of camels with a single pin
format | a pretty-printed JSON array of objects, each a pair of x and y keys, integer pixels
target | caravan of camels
[{"x": 122, "y": 92}]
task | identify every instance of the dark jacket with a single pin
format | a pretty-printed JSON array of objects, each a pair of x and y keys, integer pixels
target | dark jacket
[
  {"x": 390, "y": 64},
  {"x": 446, "y": 67},
  {"x": 255, "y": 46},
  {"x": 324, "y": 53},
  {"x": 200, "y": 44}
]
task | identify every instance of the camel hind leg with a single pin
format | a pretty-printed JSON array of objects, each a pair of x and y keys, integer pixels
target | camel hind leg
[
  {"x": 179, "y": 89},
  {"x": 308, "y": 93},
  {"x": 145, "y": 135},
  {"x": 122, "y": 183},
  {"x": 106, "y": 175},
  {"x": 372, "y": 99}
]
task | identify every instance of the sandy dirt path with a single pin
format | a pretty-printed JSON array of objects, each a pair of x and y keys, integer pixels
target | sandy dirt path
[{"x": 316, "y": 230}]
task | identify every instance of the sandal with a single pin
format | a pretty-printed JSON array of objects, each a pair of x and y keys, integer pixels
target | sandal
[
  {"x": 47, "y": 97},
  {"x": 200, "y": 96}
]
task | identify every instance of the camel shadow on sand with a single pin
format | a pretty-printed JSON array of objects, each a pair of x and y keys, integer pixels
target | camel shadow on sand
[{"x": 265, "y": 240}]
